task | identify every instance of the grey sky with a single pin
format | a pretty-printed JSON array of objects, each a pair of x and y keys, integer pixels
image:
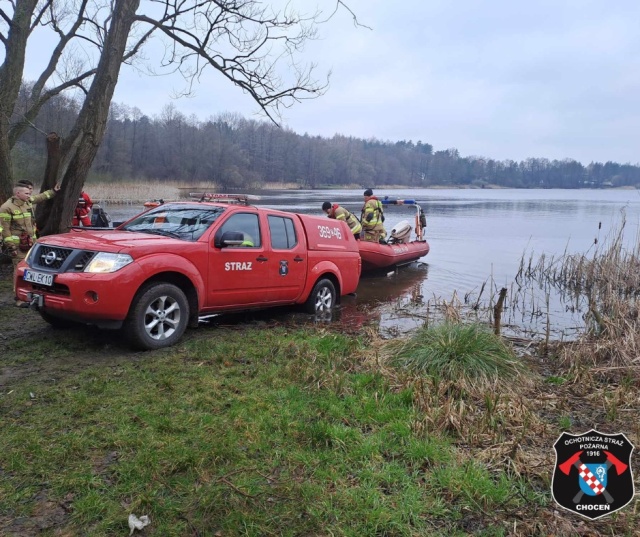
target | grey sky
[{"x": 497, "y": 78}]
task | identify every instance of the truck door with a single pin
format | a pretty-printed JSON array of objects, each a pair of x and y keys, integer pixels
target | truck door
[
  {"x": 238, "y": 273},
  {"x": 288, "y": 259}
]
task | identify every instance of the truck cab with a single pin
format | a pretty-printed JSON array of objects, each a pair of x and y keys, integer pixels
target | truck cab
[{"x": 155, "y": 274}]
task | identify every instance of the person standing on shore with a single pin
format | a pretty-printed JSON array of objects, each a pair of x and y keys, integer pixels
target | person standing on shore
[
  {"x": 372, "y": 218},
  {"x": 340, "y": 213},
  {"x": 17, "y": 224},
  {"x": 83, "y": 211}
]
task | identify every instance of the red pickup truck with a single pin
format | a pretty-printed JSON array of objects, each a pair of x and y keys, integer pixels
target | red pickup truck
[{"x": 155, "y": 274}]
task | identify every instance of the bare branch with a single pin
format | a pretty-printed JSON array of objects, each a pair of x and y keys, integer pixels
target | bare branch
[
  {"x": 239, "y": 40},
  {"x": 356, "y": 22},
  {"x": 43, "y": 9},
  {"x": 58, "y": 50},
  {"x": 5, "y": 17},
  {"x": 18, "y": 128}
]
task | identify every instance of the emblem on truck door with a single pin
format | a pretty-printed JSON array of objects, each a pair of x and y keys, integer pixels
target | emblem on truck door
[{"x": 284, "y": 268}]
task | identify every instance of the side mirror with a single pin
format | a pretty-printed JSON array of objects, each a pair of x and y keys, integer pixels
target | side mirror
[{"x": 229, "y": 238}]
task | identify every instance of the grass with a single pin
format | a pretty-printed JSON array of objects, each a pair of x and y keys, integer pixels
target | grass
[
  {"x": 453, "y": 352},
  {"x": 246, "y": 433}
]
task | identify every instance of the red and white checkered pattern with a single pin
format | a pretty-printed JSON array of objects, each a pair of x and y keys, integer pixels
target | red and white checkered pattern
[{"x": 591, "y": 480}]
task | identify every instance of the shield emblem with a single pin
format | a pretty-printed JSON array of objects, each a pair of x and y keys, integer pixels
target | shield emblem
[
  {"x": 596, "y": 479},
  {"x": 601, "y": 464}
]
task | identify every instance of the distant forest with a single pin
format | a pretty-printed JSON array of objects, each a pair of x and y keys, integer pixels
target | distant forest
[{"x": 233, "y": 152}]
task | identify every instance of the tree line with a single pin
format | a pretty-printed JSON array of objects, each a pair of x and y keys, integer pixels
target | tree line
[{"x": 234, "y": 152}]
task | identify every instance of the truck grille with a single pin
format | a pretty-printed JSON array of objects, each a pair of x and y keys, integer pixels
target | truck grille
[{"x": 53, "y": 258}]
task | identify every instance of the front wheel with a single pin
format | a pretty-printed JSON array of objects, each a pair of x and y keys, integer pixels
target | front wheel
[
  {"x": 158, "y": 317},
  {"x": 322, "y": 298}
]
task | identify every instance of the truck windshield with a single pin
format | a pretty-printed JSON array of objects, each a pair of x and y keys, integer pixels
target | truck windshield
[{"x": 184, "y": 222}]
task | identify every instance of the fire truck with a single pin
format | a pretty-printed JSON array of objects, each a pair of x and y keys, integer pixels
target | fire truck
[{"x": 159, "y": 272}]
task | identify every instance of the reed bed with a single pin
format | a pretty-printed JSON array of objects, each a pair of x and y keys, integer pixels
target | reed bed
[
  {"x": 605, "y": 284},
  {"x": 278, "y": 186},
  {"x": 139, "y": 192}
]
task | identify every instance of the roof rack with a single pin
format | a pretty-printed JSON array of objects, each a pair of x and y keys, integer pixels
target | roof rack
[{"x": 241, "y": 199}]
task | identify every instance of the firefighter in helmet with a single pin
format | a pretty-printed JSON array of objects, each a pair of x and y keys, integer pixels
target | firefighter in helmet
[{"x": 372, "y": 218}]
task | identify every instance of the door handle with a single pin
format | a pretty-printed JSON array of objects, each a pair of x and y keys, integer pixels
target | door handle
[
  {"x": 262, "y": 259},
  {"x": 297, "y": 259}
]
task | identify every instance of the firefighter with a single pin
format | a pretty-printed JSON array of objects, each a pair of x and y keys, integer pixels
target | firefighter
[
  {"x": 372, "y": 218},
  {"x": 340, "y": 213},
  {"x": 82, "y": 214},
  {"x": 18, "y": 226},
  {"x": 27, "y": 183},
  {"x": 247, "y": 241}
]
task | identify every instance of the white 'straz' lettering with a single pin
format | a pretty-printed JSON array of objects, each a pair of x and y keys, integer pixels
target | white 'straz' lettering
[{"x": 238, "y": 266}]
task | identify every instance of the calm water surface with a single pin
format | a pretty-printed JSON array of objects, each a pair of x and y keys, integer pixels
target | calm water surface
[{"x": 477, "y": 237}]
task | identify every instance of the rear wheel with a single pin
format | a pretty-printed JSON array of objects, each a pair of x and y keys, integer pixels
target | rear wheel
[
  {"x": 322, "y": 298},
  {"x": 158, "y": 317}
]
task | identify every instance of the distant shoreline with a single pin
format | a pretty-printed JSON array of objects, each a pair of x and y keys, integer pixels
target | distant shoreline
[{"x": 138, "y": 192}]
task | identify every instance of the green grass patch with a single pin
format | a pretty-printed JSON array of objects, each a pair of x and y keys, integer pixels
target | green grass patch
[
  {"x": 465, "y": 353},
  {"x": 250, "y": 432}
]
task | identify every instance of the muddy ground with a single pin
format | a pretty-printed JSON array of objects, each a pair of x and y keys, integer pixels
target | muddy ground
[{"x": 102, "y": 347}]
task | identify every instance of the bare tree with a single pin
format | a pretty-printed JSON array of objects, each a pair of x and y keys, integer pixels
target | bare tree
[{"x": 246, "y": 41}]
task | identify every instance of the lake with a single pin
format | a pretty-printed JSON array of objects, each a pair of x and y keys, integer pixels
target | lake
[{"x": 477, "y": 237}]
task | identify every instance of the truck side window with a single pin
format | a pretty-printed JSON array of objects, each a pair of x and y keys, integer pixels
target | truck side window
[
  {"x": 245, "y": 223},
  {"x": 283, "y": 233}
]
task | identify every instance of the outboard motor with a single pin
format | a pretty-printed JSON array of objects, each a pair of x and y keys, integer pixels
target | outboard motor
[
  {"x": 99, "y": 218},
  {"x": 401, "y": 233}
]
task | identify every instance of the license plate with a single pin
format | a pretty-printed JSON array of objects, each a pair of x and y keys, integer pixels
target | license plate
[{"x": 38, "y": 277}]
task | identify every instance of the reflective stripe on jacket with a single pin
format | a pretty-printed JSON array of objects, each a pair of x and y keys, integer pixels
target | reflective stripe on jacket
[
  {"x": 16, "y": 218},
  {"x": 372, "y": 213},
  {"x": 340, "y": 213}
]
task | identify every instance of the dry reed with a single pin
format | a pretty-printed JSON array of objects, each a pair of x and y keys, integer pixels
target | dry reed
[
  {"x": 605, "y": 283},
  {"x": 135, "y": 192}
]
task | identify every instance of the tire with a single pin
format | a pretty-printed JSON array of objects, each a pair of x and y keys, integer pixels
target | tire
[
  {"x": 322, "y": 298},
  {"x": 158, "y": 317},
  {"x": 56, "y": 322}
]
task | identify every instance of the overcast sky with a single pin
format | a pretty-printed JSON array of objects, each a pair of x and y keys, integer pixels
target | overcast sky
[{"x": 501, "y": 78}]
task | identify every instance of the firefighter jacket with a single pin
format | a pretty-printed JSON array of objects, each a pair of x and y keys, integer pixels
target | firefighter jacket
[
  {"x": 340, "y": 213},
  {"x": 17, "y": 222},
  {"x": 372, "y": 216}
]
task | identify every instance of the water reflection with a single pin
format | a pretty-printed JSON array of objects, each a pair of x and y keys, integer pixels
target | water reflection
[{"x": 380, "y": 299}]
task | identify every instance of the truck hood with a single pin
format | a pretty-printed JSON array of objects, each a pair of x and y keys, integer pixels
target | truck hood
[{"x": 112, "y": 241}]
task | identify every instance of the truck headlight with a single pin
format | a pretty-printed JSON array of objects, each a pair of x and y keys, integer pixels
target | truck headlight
[{"x": 104, "y": 262}]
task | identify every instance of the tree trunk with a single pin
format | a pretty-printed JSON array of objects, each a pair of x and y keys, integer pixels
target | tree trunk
[
  {"x": 82, "y": 145},
  {"x": 43, "y": 210},
  {"x": 11, "y": 72}
]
